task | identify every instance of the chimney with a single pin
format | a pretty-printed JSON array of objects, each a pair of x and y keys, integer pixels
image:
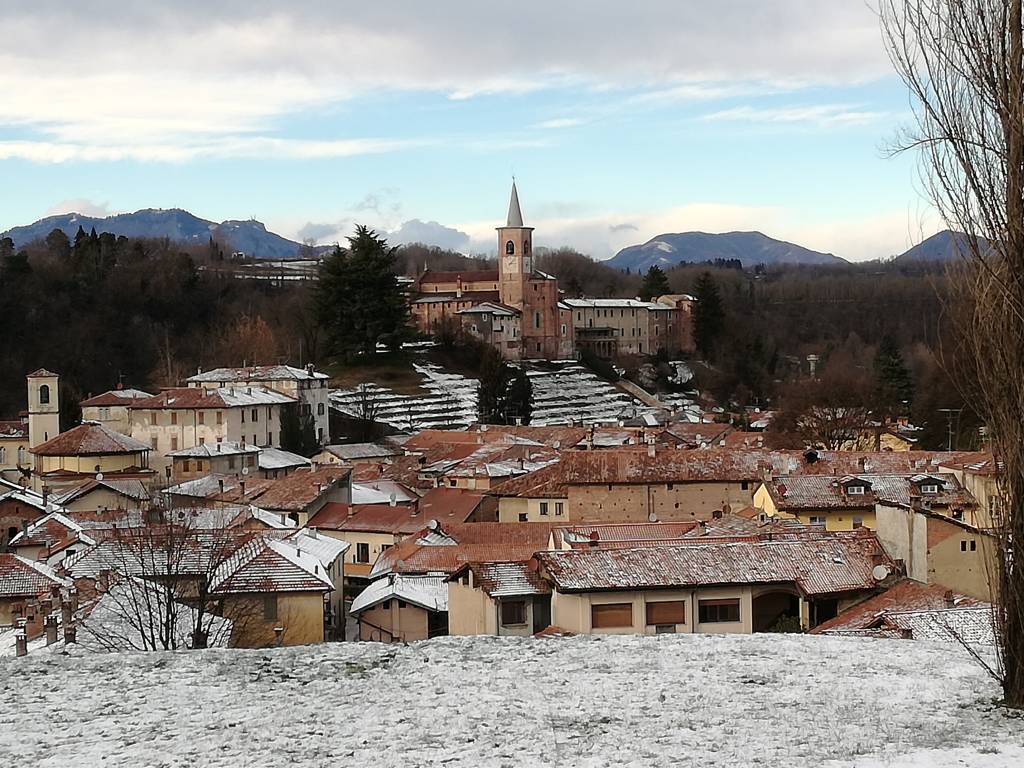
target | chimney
[
  {"x": 46, "y": 495},
  {"x": 65, "y": 613},
  {"x": 652, "y": 450},
  {"x": 278, "y": 637},
  {"x": 103, "y": 581},
  {"x": 73, "y": 594},
  {"x": 241, "y": 485},
  {"x": 220, "y": 484},
  {"x": 950, "y": 600},
  {"x": 70, "y": 634},
  {"x": 312, "y": 533},
  {"x": 20, "y": 640},
  {"x": 703, "y": 527},
  {"x": 458, "y": 287},
  {"x": 51, "y": 629},
  {"x": 392, "y": 500},
  {"x": 310, "y": 369}
]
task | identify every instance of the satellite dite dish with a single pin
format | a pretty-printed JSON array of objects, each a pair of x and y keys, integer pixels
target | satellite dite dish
[
  {"x": 880, "y": 572},
  {"x": 433, "y": 525},
  {"x": 652, "y": 517},
  {"x": 99, "y": 477},
  {"x": 245, "y": 470}
]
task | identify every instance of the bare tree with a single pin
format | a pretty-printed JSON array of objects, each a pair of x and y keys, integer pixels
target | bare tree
[
  {"x": 155, "y": 586},
  {"x": 963, "y": 62}
]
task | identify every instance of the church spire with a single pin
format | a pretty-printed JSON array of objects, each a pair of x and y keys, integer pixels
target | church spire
[{"x": 515, "y": 216}]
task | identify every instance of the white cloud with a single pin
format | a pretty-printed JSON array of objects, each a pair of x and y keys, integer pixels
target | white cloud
[
  {"x": 174, "y": 82},
  {"x": 430, "y": 233},
  {"x": 821, "y": 115},
  {"x": 560, "y": 122},
  {"x": 857, "y": 238},
  {"x": 80, "y": 205}
]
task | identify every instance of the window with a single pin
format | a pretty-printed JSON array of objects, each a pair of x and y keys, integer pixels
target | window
[
  {"x": 174, "y": 443},
  {"x": 856, "y": 490},
  {"x": 3, "y": 455},
  {"x": 402, "y": 604},
  {"x": 255, "y": 415},
  {"x": 718, "y": 611},
  {"x": 21, "y": 454},
  {"x": 231, "y": 462},
  {"x": 563, "y": 329},
  {"x": 858, "y": 522},
  {"x": 510, "y": 248},
  {"x": 958, "y": 514},
  {"x": 523, "y": 517},
  {"x": 153, "y": 443},
  {"x": 611, "y": 615},
  {"x": 974, "y": 546},
  {"x": 744, "y": 485},
  {"x": 362, "y": 553},
  {"x": 932, "y": 489},
  {"x": 666, "y": 612},
  {"x": 174, "y": 418},
  {"x": 543, "y": 507},
  {"x": 270, "y": 607},
  {"x": 386, "y": 605},
  {"x": 319, "y": 409},
  {"x": 559, "y": 508},
  {"x": 201, "y": 417},
  {"x": 250, "y": 461},
  {"x": 817, "y": 520},
  {"x": 963, "y": 546},
  {"x": 513, "y": 612},
  {"x": 44, "y": 394},
  {"x": 242, "y": 413},
  {"x": 220, "y": 417},
  {"x": 536, "y": 319}
]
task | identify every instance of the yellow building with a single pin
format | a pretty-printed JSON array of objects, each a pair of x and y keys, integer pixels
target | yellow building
[
  {"x": 89, "y": 451},
  {"x": 15, "y": 460},
  {"x": 498, "y": 599},
  {"x": 402, "y": 608},
  {"x": 112, "y": 409}
]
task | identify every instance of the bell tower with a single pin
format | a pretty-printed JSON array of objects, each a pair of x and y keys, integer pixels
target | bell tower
[
  {"x": 43, "y": 407},
  {"x": 515, "y": 254}
]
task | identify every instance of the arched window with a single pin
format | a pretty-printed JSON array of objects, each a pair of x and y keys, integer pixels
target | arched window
[
  {"x": 319, "y": 409},
  {"x": 526, "y": 247},
  {"x": 44, "y": 394},
  {"x": 510, "y": 248}
]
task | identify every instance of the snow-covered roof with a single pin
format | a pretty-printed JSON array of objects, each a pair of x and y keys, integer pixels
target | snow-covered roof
[
  {"x": 210, "y": 450},
  {"x": 130, "y": 489},
  {"x": 21, "y": 577},
  {"x": 27, "y": 496},
  {"x": 353, "y": 451},
  {"x": 276, "y": 458},
  {"x": 428, "y": 592},
  {"x": 187, "y": 398},
  {"x": 264, "y": 564},
  {"x": 380, "y": 492},
  {"x": 326, "y": 548},
  {"x": 256, "y": 373}
]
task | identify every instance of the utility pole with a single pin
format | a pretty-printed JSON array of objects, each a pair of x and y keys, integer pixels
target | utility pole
[{"x": 951, "y": 414}]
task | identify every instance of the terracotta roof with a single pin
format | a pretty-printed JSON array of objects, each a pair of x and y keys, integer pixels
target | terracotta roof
[
  {"x": 264, "y": 564},
  {"x": 468, "y": 276},
  {"x": 16, "y": 428},
  {"x": 584, "y": 536},
  {"x": 826, "y": 563},
  {"x": 553, "y": 437},
  {"x": 446, "y": 505},
  {"x": 20, "y": 577},
  {"x": 456, "y": 544},
  {"x": 131, "y": 489},
  {"x": 506, "y": 579},
  {"x": 357, "y": 451},
  {"x": 115, "y": 397},
  {"x": 904, "y": 595},
  {"x": 90, "y": 439},
  {"x": 472, "y": 297},
  {"x": 698, "y": 435},
  {"x": 827, "y": 492},
  {"x": 295, "y": 492},
  {"x": 202, "y": 397}
]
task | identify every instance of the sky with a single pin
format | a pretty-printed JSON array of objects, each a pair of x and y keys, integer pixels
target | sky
[{"x": 619, "y": 121}]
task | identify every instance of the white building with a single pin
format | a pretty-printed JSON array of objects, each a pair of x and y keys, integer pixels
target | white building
[{"x": 306, "y": 385}]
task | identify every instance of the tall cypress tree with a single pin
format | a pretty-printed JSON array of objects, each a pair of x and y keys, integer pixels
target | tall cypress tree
[
  {"x": 708, "y": 315},
  {"x": 894, "y": 386},
  {"x": 655, "y": 283}
]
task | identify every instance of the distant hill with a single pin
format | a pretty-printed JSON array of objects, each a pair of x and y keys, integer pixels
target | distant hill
[
  {"x": 249, "y": 237},
  {"x": 750, "y": 248},
  {"x": 943, "y": 246}
]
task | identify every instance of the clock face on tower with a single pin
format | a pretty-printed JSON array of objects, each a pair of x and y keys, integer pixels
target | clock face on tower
[{"x": 511, "y": 265}]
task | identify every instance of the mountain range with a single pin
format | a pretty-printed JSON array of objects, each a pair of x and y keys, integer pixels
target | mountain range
[
  {"x": 749, "y": 248},
  {"x": 250, "y": 237}
]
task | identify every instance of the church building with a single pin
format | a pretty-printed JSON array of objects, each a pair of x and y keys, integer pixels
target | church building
[
  {"x": 516, "y": 308},
  {"x": 520, "y": 311}
]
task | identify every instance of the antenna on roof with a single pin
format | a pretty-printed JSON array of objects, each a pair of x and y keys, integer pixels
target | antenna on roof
[{"x": 433, "y": 525}]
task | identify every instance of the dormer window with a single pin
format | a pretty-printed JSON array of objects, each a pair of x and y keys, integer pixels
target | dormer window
[
  {"x": 929, "y": 488},
  {"x": 510, "y": 248},
  {"x": 856, "y": 490}
]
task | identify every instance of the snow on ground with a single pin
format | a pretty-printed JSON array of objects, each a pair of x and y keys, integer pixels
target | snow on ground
[{"x": 701, "y": 700}]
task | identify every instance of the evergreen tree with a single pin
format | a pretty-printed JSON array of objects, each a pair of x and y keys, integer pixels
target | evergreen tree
[
  {"x": 708, "y": 315},
  {"x": 894, "y": 386},
  {"x": 358, "y": 300},
  {"x": 505, "y": 395},
  {"x": 654, "y": 284}
]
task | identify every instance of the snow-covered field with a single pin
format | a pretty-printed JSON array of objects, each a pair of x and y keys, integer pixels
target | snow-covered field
[{"x": 586, "y": 701}]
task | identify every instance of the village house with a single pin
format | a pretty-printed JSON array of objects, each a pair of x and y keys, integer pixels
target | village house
[
  {"x": 731, "y": 584},
  {"x": 306, "y": 385},
  {"x": 94, "y": 495},
  {"x": 848, "y": 502},
  {"x": 499, "y": 599},
  {"x": 331, "y": 554},
  {"x": 35, "y": 426},
  {"x": 382, "y": 451},
  {"x": 22, "y": 581},
  {"x": 87, "y": 452},
  {"x": 187, "y": 417},
  {"x": 53, "y": 538},
  {"x": 423, "y": 561},
  {"x": 15, "y": 461},
  {"x": 111, "y": 408},
  {"x": 371, "y": 529},
  {"x": 18, "y": 507}
]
